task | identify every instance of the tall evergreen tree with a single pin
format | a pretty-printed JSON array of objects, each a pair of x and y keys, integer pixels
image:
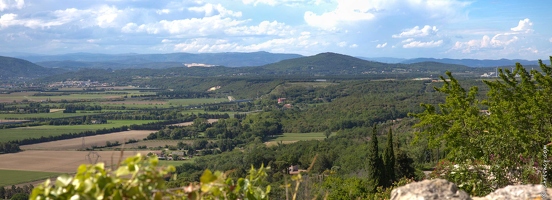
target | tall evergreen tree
[
  {"x": 389, "y": 160},
  {"x": 375, "y": 164}
]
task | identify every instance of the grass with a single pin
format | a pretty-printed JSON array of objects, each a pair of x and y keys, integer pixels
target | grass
[
  {"x": 12, "y": 177},
  {"x": 47, "y": 130}
]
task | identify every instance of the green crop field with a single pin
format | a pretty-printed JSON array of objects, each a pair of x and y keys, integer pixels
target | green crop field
[
  {"x": 43, "y": 115},
  {"x": 47, "y": 130},
  {"x": 12, "y": 177}
]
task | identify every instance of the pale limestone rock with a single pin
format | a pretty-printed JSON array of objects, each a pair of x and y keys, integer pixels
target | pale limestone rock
[
  {"x": 429, "y": 190},
  {"x": 442, "y": 189}
]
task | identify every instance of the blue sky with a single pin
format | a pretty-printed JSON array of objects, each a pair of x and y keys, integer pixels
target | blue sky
[{"x": 490, "y": 29}]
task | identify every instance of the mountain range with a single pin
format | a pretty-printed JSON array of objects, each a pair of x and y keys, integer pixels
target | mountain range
[
  {"x": 262, "y": 63},
  {"x": 86, "y": 60},
  {"x": 231, "y": 59}
]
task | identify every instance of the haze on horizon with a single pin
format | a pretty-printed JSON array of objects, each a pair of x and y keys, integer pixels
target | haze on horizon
[{"x": 370, "y": 28}]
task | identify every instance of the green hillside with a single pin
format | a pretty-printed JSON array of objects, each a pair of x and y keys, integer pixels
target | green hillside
[
  {"x": 14, "y": 68},
  {"x": 338, "y": 64}
]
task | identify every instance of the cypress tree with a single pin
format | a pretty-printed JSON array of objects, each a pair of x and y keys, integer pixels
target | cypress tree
[
  {"x": 389, "y": 160},
  {"x": 375, "y": 164}
]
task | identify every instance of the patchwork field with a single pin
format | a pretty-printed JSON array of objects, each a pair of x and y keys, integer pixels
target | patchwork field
[
  {"x": 96, "y": 140},
  {"x": 13, "y": 177},
  {"x": 57, "y": 161},
  {"x": 39, "y": 131}
]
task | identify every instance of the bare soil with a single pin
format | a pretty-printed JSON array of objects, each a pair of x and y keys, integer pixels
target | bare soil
[
  {"x": 58, "y": 161},
  {"x": 97, "y": 140}
]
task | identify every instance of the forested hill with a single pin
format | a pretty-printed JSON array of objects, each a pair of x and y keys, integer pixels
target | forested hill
[
  {"x": 338, "y": 64},
  {"x": 14, "y": 68},
  {"x": 232, "y": 59}
]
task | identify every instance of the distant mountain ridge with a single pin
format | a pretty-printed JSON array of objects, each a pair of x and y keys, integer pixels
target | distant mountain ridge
[
  {"x": 231, "y": 59},
  {"x": 14, "y": 68},
  {"x": 466, "y": 62},
  {"x": 474, "y": 62}
]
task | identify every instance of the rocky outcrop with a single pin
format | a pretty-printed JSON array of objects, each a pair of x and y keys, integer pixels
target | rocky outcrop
[
  {"x": 429, "y": 189},
  {"x": 443, "y": 189}
]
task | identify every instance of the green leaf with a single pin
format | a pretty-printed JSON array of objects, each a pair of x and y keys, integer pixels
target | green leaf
[
  {"x": 63, "y": 180},
  {"x": 207, "y": 177}
]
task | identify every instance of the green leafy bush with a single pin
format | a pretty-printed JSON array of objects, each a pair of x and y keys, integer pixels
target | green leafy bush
[{"x": 140, "y": 177}]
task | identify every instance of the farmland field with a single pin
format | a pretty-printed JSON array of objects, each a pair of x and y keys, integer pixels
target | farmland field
[
  {"x": 47, "y": 130},
  {"x": 57, "y": 161},
  {"x": 43, "y": 115},
  {"x": 20, "y": 96},
  {"x": 12, "y": 177},
  {"x": 96, "y": 140}
]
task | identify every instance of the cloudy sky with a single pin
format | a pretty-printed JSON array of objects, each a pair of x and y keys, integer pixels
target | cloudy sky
[{"x": 482, "y": 29}]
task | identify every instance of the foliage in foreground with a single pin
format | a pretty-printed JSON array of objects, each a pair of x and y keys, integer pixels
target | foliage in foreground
[
  {"x": 140, "y": 177},
  {"x": 504, "y": 145}
]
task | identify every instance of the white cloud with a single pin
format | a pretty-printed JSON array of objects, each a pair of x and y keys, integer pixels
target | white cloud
[
  {"x": 283, "y": 2},
  {"x": 217, "y": 20},
  {"x": 381, "y": 45},
  {"x": 419, "y": 44},
  {"x": 211, "y": 10},
  {"x": 163, "y": 11},
  {"x": 11, "y": 19},
  {"x": 550, "y": 40},
  {"x": 524, "y": 25},
  {"x": 202, "y": 45},
  {"x": 408, "y": 40},
  {"x": 500, "y": 41},
  {"x": 353, "y": 46},
  {"x": 106, "y": 15},
  {"x": 9, "y": 4},
  {"x": 354, "y": 11},
  {"x": 103, "y": 16},
  {"x": 342, "y": 44},
  {"x": 417, "y": 32},
  {"x": 346, "y": 11},
  {"x": 264, "y": 28}
]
